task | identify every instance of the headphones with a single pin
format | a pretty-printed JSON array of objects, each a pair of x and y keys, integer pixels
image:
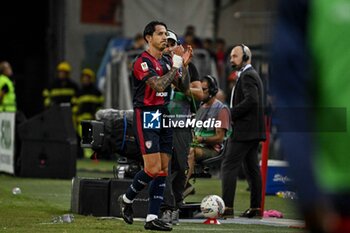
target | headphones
[
  {"x": 213, "y": 85},
  {"x": 245, "y": 57}
]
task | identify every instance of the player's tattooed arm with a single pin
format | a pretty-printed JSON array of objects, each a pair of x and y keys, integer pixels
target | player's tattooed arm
[{"x": 160, "y": 84}]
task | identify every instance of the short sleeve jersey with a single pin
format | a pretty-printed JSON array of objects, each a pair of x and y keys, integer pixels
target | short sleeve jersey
[{"x": 145, "y": 67}]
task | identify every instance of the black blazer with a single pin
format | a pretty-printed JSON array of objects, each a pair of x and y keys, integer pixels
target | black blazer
[{"x": 248, "y": 108}]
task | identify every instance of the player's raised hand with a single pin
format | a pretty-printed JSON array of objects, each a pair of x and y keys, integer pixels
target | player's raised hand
[
  {"x": 187, "y": 56},
  {"x": 179, "y": 50}
]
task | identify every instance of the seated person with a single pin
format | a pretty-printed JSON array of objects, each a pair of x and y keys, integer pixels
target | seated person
[{"x": 209, "y": 138}]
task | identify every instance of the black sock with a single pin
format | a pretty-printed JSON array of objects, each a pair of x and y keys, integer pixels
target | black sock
[
  {"x": 156, "y": 191},
  {"x": 140, "y": 181}
]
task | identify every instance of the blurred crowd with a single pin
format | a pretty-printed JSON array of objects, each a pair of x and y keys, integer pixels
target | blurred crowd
[{"x": 212, "y": 52}]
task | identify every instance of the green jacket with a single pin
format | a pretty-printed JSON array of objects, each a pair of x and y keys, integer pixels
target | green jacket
[{"x": 329, "y": 28}]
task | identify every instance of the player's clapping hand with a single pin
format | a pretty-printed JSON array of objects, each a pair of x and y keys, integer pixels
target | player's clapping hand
[
  {"x": 179, "y": 50},
  {"x": 187, "y": 56}
]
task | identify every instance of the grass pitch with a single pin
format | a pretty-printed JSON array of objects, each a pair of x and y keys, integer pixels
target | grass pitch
[{"x": 43, "y": 199}]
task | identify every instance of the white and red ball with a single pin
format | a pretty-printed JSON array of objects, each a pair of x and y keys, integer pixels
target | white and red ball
[{"x": 212, "y": 206}]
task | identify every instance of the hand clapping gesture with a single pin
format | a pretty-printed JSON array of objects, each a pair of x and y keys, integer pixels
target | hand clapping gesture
[{"x": 185, "y": 54}]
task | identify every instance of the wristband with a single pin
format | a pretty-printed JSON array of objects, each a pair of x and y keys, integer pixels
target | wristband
[{"x": 177, "y": 61}]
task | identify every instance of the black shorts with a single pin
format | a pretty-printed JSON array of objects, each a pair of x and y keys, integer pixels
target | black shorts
[{"x": 150, "y": 136}]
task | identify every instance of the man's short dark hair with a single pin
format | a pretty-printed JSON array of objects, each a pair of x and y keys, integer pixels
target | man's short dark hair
[{"x": 151, "y": 28}]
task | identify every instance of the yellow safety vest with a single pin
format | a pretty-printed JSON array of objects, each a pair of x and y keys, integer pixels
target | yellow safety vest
[{"x": 8, "y": 103}]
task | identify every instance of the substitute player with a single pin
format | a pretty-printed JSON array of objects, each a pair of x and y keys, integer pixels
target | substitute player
[{"x": 153, "y": 75}]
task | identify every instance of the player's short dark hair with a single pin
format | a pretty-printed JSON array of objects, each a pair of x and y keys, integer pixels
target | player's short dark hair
[{"x": 151, "y": 28}]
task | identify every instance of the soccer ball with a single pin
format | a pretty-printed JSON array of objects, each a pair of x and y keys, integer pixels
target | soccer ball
[{"x": 212, "y": 206}]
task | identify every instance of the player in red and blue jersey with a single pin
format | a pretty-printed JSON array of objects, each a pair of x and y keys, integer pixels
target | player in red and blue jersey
[
  {"x": 153, "y": 74},
  {"x": 146, "y": 66}
]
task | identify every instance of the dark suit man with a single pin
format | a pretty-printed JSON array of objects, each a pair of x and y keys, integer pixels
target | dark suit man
[{"x": 246, "y": 105}]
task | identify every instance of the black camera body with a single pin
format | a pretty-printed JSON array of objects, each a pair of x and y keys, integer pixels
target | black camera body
[{"x": 111, "y": 133}]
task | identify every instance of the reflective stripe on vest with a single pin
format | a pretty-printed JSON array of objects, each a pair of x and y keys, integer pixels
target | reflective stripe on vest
[
  {"x": 89, "y": 99},
  {"x": 62, "y": 92}
]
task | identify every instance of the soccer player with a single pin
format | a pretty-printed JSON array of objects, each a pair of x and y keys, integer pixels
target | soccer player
[{"x": 153, "y": 75}]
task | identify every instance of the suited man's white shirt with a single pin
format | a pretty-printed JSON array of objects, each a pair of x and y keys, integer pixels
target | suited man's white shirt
[{"x": 238, "y": 75}]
